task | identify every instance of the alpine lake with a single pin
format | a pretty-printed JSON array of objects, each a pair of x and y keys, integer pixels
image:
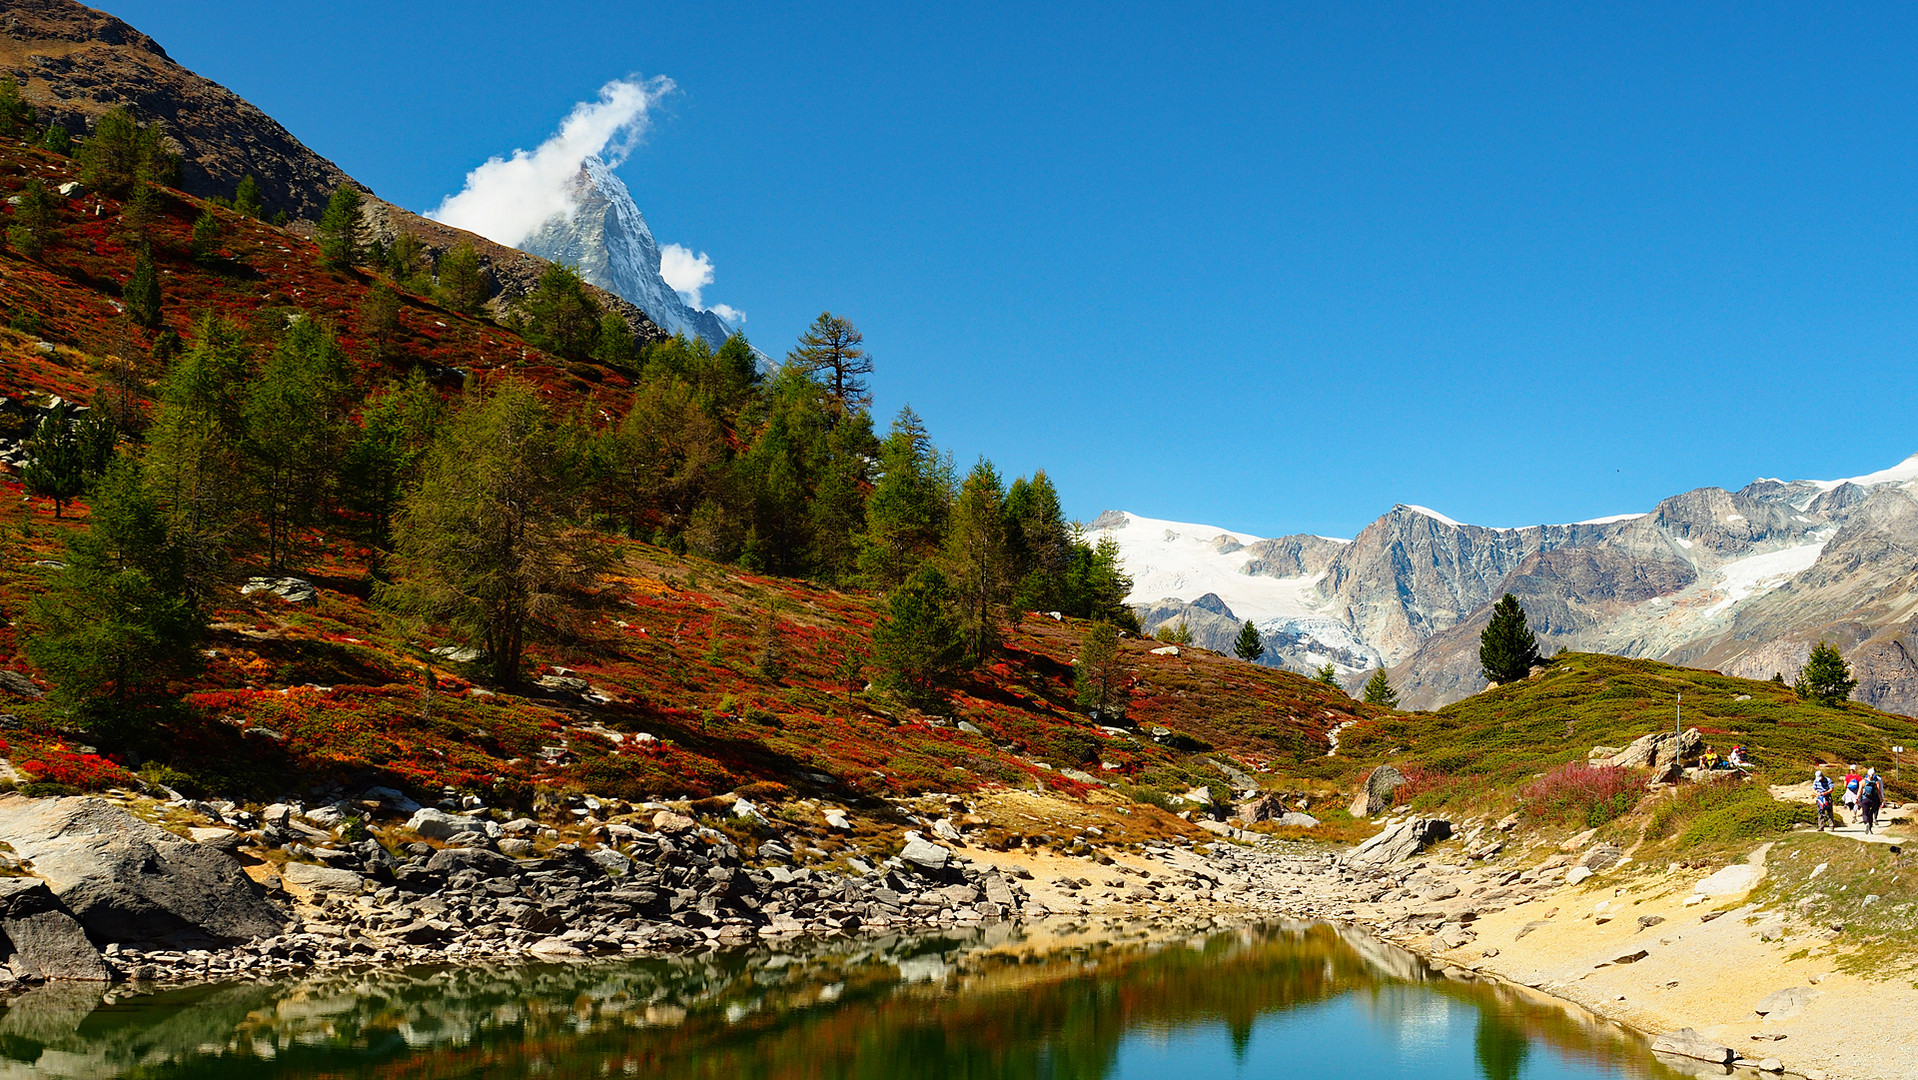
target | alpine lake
[{"x": 1032, "y": 1001}]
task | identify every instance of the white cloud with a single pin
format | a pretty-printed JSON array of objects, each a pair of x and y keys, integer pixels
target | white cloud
[
  {"x": 686, "y": 272},
  {"x": 506, "y": 199}
]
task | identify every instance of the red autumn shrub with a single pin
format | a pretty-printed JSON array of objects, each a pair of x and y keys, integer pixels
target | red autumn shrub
[{"x": 1576, "y": 791}]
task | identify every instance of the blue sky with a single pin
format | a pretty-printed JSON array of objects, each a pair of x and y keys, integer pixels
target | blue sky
[{"x": 1270, "y": 267}]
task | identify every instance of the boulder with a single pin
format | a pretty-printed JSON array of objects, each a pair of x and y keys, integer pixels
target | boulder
[
  {"x": 1295, "y": 820},
  {"x": 1376, "y": 795},
  {"x": 925, "y": 854},
  {"x": 312, "y": 883},
  {"x": 43, "y": 939},
  {"x": 440, "y": 825},
  {"x": 1730, "y": 881},
  {"x": 1658, "y": 751},
  {"x": 1687, "y": 1042},
  {"x": 1399, "y": 842},
  {"x": 667, "y": 821},
  {"x": 1601, "y": 857},
  {"x": 450, "y": 861},
  {"x": 1785, "y": 1004},
  {"x": 128, "y": 881},
  {"x": 1263, "y": 808},
  {"x": 1577, "y": 875}
]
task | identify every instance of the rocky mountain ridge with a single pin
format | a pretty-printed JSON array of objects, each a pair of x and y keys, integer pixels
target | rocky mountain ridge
[
  {"x": 607, "y": 238},
  {"x": 1743, "y": 581}
]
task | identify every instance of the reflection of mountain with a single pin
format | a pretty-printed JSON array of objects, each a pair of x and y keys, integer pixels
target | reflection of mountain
[{"x": 1002, "y": 1008}]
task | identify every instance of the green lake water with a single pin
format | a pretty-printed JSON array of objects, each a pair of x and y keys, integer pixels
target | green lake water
[{"x": 1045, "y": 1002}]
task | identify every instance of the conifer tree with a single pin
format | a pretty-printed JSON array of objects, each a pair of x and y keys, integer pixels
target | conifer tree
[
  {"x": 341, "y": 233},
  {"x": 911, "y": 499},
  {"x": 1826, "y": 677},
  {"x": 482, "y": 543},
  {"x": 562, "y": 317},
  {"x": 1327, "y": 674},
  {"x": 57, "y": 141},
  {"x": 658, "y": 460},
  {"x": 918, "y": 643},
  {"x": 208, "y": 234},
  {"x": 141, "y": 292},
  {"x": 1249, "y": 646},
  {"x": 380, "y": 318},
  {"x": 975, "y": 557},
  {"x": 1097, "y": 672},
  {"x": 1378, "y": 691},
  {"x": 615, "y": 347},
  {"x": 1507, "y": 649},
  {"x": 246, "y": 197},
  {"x": 382, "y": 459},
  {"x": 1038, "y": 545},
  {"x": 65, "y": 453},
  {"x": 462, "y": 284},
  {"x": 296, "y": 420},
  {"x": 832, "y": 353},
  {"x": 195, "y": 466},
  {"x": 120, "y": 153},
  {"x": 34, "y": 222},
  {"x": 116, "y": 624},
  {"x": 16, "y": 116}
]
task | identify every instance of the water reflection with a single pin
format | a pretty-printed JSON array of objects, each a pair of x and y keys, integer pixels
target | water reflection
[{"x": 1041, "y": 1002}]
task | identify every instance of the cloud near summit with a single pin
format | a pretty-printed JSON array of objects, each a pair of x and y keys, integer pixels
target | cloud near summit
[{"x": 507, "y": 199}]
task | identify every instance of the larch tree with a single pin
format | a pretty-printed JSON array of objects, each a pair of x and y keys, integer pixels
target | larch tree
[
  {"x": 1327, "y": 674},
  {"x": 483, "y": 543},
  {"x": 1507, "y": 648},
  {"x": 917, "y": 643},
  {"x": 832, "y": 352},
  {"x": 1098, "y": 676},
  {"x": 1826, "y": 677},
  {"x": 975, "y": 555},
  {"x": 296, "y": 414},
  {"x": 195, "y": 462},
  {"x": 462, "y": 282},
  {"x": 341, "y": 233},
  {"x": 910, "y": 502}
]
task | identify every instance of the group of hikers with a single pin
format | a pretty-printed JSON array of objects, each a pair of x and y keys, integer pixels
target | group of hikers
[
  {"x": 1711, "y": 759},
  {"x": 1863, "y": 795}
]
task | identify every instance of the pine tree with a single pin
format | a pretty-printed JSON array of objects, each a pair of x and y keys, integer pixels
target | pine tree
[
  {"x": 562, "y": 317},
  {"x": 837, "y": 510},
  {"x": 396, "y": 429},
  {"x": 1039, "y": 545},
  {"x": 65, "y": 453},
  {"x": 341, "y": 233},
  {"x": 57, "y": 141},
  {"x": 1507, "y": 648},
  {"x": 616, "y": 348},
  {"x": 462, "y": 283},
  {"x": 831, "y": 352},
  {"x": 917, "y": 642},
  {"x": 1378, "y": 691},
  {"x": 121, "y": 153},
  {"x": 482, "y": 543},
  {"x": 208, "y": 235},
  {"x": 1097, "y": 672},
  {"x": 1327, "y": 674},
  {"x": 379, "y": 318},
  {"x": 16, "y": 116},
  {"x": 116, "y": 624},
  {"x": 658, "y": 460},
  {"x": 1249, "y": 646},
  {"x": 195, "y": 466},
  {"x": 35, "y": 225},
  {"x": 246, "y": 197},
  {"x": 142, "y": 292},
  {"x": 1826, "y": 677},
  {"x": 975, "y": 557},
  {"x": 296, "y": 421},
  {"x": 910, "y": 502}
]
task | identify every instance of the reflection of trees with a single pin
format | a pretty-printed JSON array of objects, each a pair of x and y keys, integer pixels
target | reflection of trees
[
  {"x": 819, "y": 1011},
  {"x": 1500, "y": 1046}
]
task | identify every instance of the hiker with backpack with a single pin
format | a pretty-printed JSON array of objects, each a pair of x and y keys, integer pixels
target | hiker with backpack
[
  {"x": 1871, "y": 797},
  {"x": 1852, "y": 781},
  {"x": 1821, "y": 786}
]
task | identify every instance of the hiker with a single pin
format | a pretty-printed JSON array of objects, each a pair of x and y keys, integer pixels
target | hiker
[
  {"x": 1738, "y": 758},
  {"x": 1852, "y": 780},
  {"x": 1709, "y": 759},
  {"x": 1871, "y": 796},
  {"x": 1821, "y": 789}
]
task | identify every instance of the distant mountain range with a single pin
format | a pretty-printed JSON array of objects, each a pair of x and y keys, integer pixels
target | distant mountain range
[{"x": 1745, "y": 582}]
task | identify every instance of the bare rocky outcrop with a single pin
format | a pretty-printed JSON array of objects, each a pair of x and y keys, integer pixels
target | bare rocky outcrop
[
  {"x": 1376, "y": 794},
  {"x": 128, "y": 881},
  {"x": 42, "y": 937},
  {"x": 1397, "y": 843}
]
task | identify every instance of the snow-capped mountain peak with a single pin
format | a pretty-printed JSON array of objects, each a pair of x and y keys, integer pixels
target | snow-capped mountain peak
[{"x": 608, "y": 239}]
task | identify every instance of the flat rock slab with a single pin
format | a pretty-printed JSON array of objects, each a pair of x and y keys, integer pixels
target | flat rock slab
[
  {"x": 312, "y": 883},
  {"x": 129, "y": 881},
  {"x": 1785, "y": 1004},
  {"x": 1731, "y": 881},
  {"x": 1687, "y": 1042}
]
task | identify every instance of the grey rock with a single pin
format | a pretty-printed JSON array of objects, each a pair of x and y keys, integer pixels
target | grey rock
[
  {"x": 1397, "y": 843},
  {"x": 291, "y": 589},
  {"x": 310, "y": 880},
  {"x": 1687, "y": 1042},
  {"x": 450, "y": 861},
  {"x": 1786, "y": 1003},
  {"x": 924, "y": 853},
  {"x": 46, "y": 941},
  {"x": 1601, "y": 857},
  {"x": 1292, "y": 819},
  {"x": 1577, "y": 874},
  {"x": 440, "y": 825},
  {"x": 945, "y": 830},
  {"x": 1376, "y": 795},
  {"x": 128, "y": 881}
]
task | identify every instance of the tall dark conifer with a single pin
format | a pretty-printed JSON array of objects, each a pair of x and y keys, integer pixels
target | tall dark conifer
[{"x": 1507, "y": 648}]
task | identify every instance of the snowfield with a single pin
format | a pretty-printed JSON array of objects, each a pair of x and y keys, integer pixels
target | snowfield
[
  {"x": 1744, "y": 578},
  {"x": 1185, "y": 561}
]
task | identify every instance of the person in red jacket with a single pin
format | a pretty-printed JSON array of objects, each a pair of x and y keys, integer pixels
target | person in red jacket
[{"x": 1852, "y": 783}]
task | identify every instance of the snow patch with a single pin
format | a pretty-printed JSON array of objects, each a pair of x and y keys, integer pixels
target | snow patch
[
  {"x": 1756, "y": 574},
  {"x": 1611, "y": 519},
  {"x": 1433, "y": 514},
  {"x": 1184, "y": 561},
  {"x": 1899, "y": 473}
]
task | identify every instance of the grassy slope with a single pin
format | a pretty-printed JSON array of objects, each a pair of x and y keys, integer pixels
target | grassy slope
[{"x": 327, "y": 691}]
